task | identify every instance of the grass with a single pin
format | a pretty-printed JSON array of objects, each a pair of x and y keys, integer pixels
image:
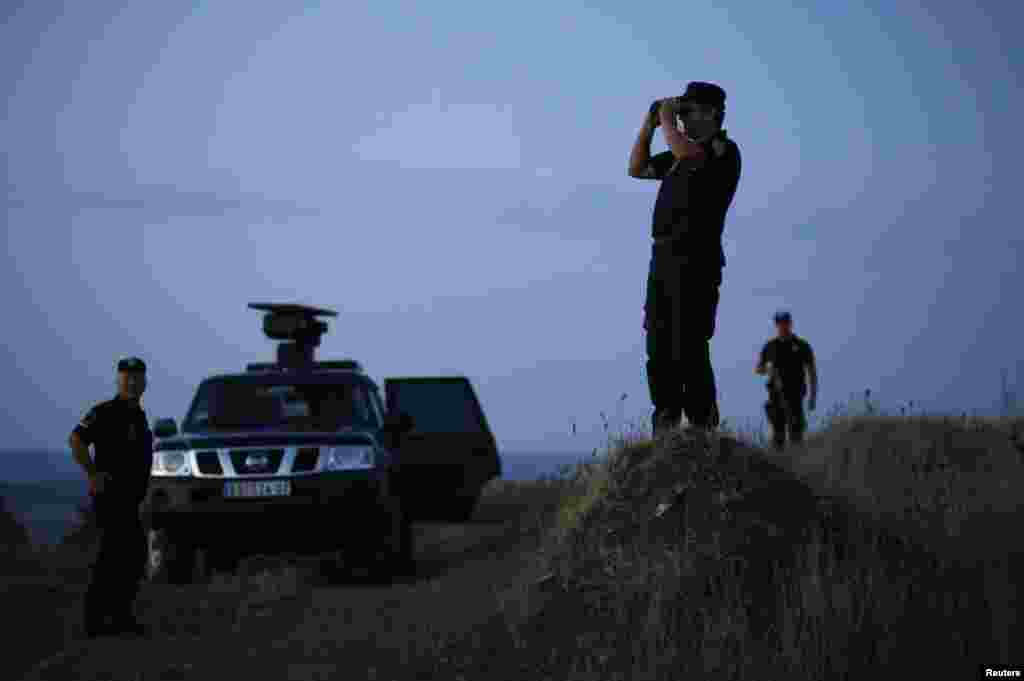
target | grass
[
  {"x": 865, "y": 550},
  {"x": 889, "y": 541}
]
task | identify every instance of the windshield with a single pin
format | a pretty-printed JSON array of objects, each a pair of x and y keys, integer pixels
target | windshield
[{"x": 283, "y": 407}]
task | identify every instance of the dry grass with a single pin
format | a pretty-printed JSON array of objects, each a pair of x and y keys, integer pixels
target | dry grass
[
  {"x": 752, "y": 572},
  {"x": 686, "y": 557},
  {"x": 946, "y": 481}
]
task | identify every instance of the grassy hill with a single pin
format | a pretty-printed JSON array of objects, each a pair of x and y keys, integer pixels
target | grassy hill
[{"x": 886, "y": 543}]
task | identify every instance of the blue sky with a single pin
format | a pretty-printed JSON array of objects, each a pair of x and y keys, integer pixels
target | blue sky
[{"x": 451, "y": 177}]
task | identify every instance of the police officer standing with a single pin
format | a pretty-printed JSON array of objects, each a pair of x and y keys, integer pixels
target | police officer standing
[
  {"x": 786, "y": 359},
  {"x": 698, "y": 176},
  {"x": 118, "y": 477}
]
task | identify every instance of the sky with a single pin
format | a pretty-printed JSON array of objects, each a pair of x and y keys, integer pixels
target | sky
[{"x": 451, "y": 178}]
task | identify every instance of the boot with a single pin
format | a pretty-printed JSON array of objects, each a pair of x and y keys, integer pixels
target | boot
[
  {"x": 656, "y": 423},
  {"x": 665, "y": 420},
  {"x": 95, "y": 621}
]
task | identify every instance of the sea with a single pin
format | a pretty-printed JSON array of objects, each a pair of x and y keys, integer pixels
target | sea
[{"x": 44, "y": 490}]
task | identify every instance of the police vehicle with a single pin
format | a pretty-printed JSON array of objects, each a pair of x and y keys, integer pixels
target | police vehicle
[{"x": 306, "y": 456}]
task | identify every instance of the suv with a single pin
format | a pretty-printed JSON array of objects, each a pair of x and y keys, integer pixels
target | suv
[{"x": 302, "y": 456}]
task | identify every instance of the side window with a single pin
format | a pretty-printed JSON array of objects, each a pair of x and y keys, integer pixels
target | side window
[
  {"x": 361, "y": 404},
  {"x": 199, "y": 414}
]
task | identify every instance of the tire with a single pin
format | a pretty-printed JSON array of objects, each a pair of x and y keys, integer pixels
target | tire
[
  {"x": 170, "y": 560},
  {"x": 223, "y": 560},
  {"x": 380, "y": 552}
]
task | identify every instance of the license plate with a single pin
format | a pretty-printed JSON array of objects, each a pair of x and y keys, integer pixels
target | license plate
[{"x": 258, "y": 488}]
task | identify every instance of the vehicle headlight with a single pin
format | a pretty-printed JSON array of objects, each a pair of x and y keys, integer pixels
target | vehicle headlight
[
  {"x": 170, "y": 463},
  {"x": 348, "y": 457}
]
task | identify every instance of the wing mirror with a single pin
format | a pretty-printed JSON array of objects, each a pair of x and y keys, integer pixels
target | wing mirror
[
  {"x": 398, "y": 423},
  {"x": 165, "y": 428}
]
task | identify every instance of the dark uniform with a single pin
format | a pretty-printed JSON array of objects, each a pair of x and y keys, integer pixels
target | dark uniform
[
  {"x": 787, "y": 388},
  {"x": 685, "y": 275},
  {"x": 123, "y": 449}
]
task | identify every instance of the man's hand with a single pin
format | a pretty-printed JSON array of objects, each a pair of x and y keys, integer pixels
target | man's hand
[
  {"x": 653, "y": 120},
  {"x": 684, "y": 150},
  {"x": 669, "y": 110},
  {"x": 640, "y": 156},
  {"x": 97, "y": 483}
]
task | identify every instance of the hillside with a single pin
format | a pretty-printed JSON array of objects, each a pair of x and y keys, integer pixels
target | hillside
[
  {"x": 720, "y": 560},
  {"x": 688, "y": 557}
]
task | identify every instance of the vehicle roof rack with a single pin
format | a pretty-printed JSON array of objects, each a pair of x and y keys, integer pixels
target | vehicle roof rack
[
  {"x": 262, "y": 366},
  {"x": 331, "y": 365},
  {"x": 297, "y": 327},
  {"x": 343, "y": 364}
]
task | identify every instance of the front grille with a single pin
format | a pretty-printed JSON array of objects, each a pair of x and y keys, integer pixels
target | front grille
[
  {"x": 209, "y": 463},
  {"x": 256, "y": 458},
  {"x": 305, "y": 459}
]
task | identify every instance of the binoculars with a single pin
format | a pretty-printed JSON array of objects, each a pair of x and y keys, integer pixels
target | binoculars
[{"x": 682, "y": 108}]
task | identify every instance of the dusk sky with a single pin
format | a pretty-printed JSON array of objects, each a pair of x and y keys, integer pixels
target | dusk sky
[{"x": 451, "y": 177}]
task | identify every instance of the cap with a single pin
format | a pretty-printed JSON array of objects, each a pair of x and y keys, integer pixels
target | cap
[
  {"x": 783, "y": 316},
  {"x": 131, "y": 364},
  {"x": 707, "y": 94}
]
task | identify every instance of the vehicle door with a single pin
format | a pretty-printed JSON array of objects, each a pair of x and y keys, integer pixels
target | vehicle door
[{"x": 450, "y": 449}]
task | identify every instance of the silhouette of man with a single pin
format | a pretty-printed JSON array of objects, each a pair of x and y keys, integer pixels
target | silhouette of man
[
  {"x": 118, "y": 478},
  {"x": 786, "y": 359},
  {"x": 698, "y": 176}
]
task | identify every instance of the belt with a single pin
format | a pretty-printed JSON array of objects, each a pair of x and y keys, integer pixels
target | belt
[{"x": 664, "y": 240}]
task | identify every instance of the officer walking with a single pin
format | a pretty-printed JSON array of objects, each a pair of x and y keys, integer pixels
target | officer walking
[
  {"x": 118, "y": 477},
  {"x": 698, "y": 176},
  {"x": 786, "y": 359}
]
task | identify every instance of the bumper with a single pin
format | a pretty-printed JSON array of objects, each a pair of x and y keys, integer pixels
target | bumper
[
  {"x": 320, "y": 511},
  {"x": 201, "y": 506}
]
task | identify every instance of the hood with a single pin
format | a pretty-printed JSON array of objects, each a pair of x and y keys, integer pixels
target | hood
[{"x": 187, "y": 441}]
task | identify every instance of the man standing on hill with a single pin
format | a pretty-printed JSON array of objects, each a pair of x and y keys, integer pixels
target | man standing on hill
[
  {"x": 786, "y": 359},
  {"x": 118, "y": 480},
  {"x": 698, "y": 176}
]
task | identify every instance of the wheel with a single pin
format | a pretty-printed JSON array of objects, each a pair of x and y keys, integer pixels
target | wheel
[
  {"x": 378, "y": 552},
  {"x": 226, "y": 560},
  {"x": 170, "y": 559}
]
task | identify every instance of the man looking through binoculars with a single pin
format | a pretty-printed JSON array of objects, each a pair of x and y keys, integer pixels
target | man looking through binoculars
[{"x": 698, "y": 174}]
